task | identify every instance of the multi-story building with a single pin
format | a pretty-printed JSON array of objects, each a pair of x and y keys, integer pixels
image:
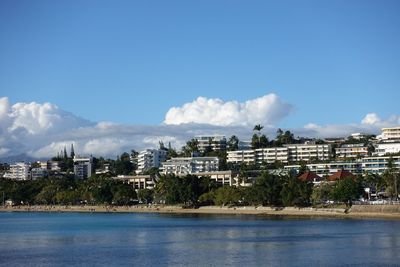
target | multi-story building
[
  {"x": 83, "y": 167},
  {"x": 150, "y": 158},
  {"x": 325, "y": 169},
  {"x": 241, "y": 156},
  {"x": 383, "y": 149},
  {"x": 378, "y": 165},
  {"x": 37, "y": 173},
  {"x": 271, "y": 155},
  {"x": 390, "y": 134},
  {"x": 214, "y": 142},
  {"x": 306, "y": 152},
  {"x": 18, "y": 171},
  {"x": 182, "y": 166},
  {"x": 138, "y": 181},
  {"x": 351, "y": 151}
]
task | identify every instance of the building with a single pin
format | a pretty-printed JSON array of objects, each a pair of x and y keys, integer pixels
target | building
[
  {"x": 390, "y": 134},
  {"x": 190, "y": 165},
  {"x": 213, "y": 142},
  {"x": 378, "y": 165},
  {"x": 37, "y": 173},
  {"x": 138, "y": 182},
  {"x": 83, "y": 167},
  {"x": 383, "y": 149},
  {"x": 351, "y": 151},
  {"x": 18, "y": 171},
  {"x": 326, "y": 169},
  {"x": 307, "y": 152},
  {"x": 241, "y": 156},
  {"x": 358, "y": 136},
  {"x": 272, "y": 154},
  {"x": 150, "y": 158},
  {"x": 310, "y": 177},
  {"x": 339, "y": 175}
]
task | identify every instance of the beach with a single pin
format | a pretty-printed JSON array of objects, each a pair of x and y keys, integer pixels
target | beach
[{"x": 359, "y": 211}]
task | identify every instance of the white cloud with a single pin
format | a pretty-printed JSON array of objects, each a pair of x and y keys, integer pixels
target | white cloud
[
  {"x": 267, "y": 110},
  {"x": 43, "y": 130},
  {"x": 371, "y": 118}
]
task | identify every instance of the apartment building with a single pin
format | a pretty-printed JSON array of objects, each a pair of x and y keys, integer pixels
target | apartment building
[
  {"x": 241, "y": 156},
  {"x": 18, "y": 171},
  {"x": 383, "y": 149},
  {"x": 215, "y": 142},
  {"x": 83, "y": 167},
  {"x": 271, "y": 154},
  {"x": 306, "y": 152},
  {"x": 378, "y": 165},
  {"x": 190, "y": 165},
  {"x": 326, "y": 169},
  {"x": 390, "y": 134},
  {"x": 150, "y": 158},
  {"x": 351, "y": 151},
  {"x": 138, "y": 181}
]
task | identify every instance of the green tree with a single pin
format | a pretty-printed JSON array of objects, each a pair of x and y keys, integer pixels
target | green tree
[
  {"x": 346, "y": 190},
  {"x": 145, "y": 195},
  {"x": 233, "y": 143}
]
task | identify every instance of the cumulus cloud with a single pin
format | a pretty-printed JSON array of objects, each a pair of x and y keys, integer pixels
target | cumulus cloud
[
  {"x": 267, "y": 110},
  {"x": 43, "y": 130}
]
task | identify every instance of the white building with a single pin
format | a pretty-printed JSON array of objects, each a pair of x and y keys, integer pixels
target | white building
[
  {"x": 383, "y": 149},
  {"x": 272, "y": 154},
  {"x": 150, "y": 158},
  {"x": 329, "y": 168},
  {"x": 138, "y": 182},
  {"x": 306, "y": 152},
  {"x": 191, "y": 165},
  {"x": 388, "y": 134},
  {"x": 83, "y": 167},
  {"x": 18, "y": 171},
  {"x": 241, "y": 156},
  {"x": 352, "y": 151},
  {"x": 215, "y": 142},
  {"x": 378, "y": 165}
]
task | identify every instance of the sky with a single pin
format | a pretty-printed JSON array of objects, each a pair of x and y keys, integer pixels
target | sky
[{"x": 170, "y": 69}]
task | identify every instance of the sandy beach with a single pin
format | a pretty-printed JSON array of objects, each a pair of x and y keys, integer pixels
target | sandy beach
[{"x": 378, "y": 211}]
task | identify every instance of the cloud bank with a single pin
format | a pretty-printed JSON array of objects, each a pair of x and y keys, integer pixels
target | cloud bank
[
  {"x": 42, "y": 130},
  {"x": 266, "y": 110}
]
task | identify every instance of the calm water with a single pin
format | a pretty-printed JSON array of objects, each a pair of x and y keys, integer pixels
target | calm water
[{"x": 65, "y": 239}]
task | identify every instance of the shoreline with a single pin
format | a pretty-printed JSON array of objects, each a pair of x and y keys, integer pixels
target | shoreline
[{"x": 366, "y": 212}]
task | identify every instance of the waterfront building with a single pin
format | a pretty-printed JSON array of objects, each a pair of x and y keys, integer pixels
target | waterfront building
[
  {"x": 213, "y": 142},
  {"x": 310, "y": 176},
  {"x": 150, "y": 158},
  {"x": 83, "y": 167},
  {"x": 241, "y": 156},
  {"x": 351, "y": 151},
  {"x": 138, "y": 181},
  {"x": 190, "y": 165},
  {"x": 18, "y": 171}
]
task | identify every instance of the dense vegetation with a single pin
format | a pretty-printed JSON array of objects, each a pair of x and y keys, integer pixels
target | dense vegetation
[{"x": 96, "y": 190}]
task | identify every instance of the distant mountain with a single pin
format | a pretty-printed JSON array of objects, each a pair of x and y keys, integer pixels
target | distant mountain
[{"x": 19, "y": 158}]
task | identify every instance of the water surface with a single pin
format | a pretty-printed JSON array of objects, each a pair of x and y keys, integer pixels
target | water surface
[{"x": 104, "y": 239}]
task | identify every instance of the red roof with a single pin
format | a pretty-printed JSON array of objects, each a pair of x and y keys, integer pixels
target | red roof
[
  {"x": 309, "y": 176},
  {"x": 341, "y": 174}
]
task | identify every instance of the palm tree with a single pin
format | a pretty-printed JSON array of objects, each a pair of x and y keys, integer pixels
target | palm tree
[{"x": 258, "y": 127}]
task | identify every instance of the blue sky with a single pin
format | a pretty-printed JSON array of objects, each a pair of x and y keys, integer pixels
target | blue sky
[
  {"x": 318, "y": 68},
  {"x": 130, "y": 61}
]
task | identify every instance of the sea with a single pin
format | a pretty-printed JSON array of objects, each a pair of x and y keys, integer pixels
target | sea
[{"x": 149, "y": 239}]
